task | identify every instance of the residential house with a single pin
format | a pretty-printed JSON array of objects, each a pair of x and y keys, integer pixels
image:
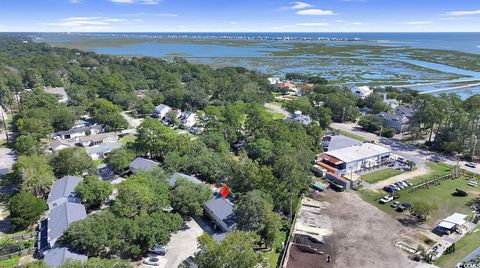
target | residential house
[
  {"x": 188, "y": 119},
  {"x": 92, "y": 140},
  {"x": 392, "y": 103},
  {"x": 175, "y": 176},
  {"x": 58, "y": 256},
  {"x": 361, "y": 92},
  {"x": 161, "y": 111},
  {"x": 142, "y": 93},
  {"x": 220, "y": 211},
  {"x": 63, "y": 190},
  {"x": 102, "y": 150},
  {"x": 274, "y": 80},
  {"x": 59, "y": 219},
  {"x": 58, "y": 145},
  {"x": 399, "y": 120},
  {"x": 287, "y": 86},
  {"x": 300, "y": 118},
  {"x": 142, "y": 164},
  {"x": 78, "y": 132},
  {"x": 59, "y": 92}
]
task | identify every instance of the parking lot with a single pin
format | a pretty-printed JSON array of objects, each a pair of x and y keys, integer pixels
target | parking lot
[{"x": 182, "y": 245}]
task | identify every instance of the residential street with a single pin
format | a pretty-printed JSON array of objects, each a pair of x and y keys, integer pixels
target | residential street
[{"x": 7, "y": 159}]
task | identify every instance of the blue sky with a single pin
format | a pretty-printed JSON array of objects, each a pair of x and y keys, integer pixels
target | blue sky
[{"x": 240, "y": 15}]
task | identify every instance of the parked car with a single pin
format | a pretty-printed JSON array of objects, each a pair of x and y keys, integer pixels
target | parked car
[
  {"x": 391, "y": 165},
  {"x": 395, "y": 204},
  {"x": 190, "y": 262},
  {"x": 395, "y": 186},
  {"x": 158, "y": 249},
  {"x": 471, "y": 165},
  {"x": 399, "y": 185},
  {"x": 386, "y": 199},
  {"x": 405, "y": 184},
  {"x": 153, "y": 261},
  {"x": 409, "y": 183},
  {"x": 389, "y": 189},
  {"x": 404, "y": 206}
]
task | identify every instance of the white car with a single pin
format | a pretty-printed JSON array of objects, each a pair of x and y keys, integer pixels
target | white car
[
  {"x": 386, "y": 199},
  {"x": 153, "y": 261},
  {"x": 471, "y": 165}
]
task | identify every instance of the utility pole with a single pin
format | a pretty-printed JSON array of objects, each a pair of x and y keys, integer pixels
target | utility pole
[{"x": 343, "y": 114}]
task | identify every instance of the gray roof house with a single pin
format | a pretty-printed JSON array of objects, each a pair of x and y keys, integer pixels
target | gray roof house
[
  {"x": 142, "y": 164},
  {"x": 60, "y": 217},
  {"x": 58, "y": 256},
  {"x": 63, "y": 190},
  {"x": 100, "y": 151},
  {"x": 220, "y": 210},
  {"x": 398, "y": 120},
  {"x": 175, "y": 176},
  {"x": 161, "y": 111},
  {"x": 97, "y": 139},
  {"x": 59, "y": 92}
]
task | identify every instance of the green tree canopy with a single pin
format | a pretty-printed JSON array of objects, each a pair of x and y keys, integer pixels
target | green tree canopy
[
  {"x": 187, "y": 198},
  {"x": 72, "y": 161},
  {"x": 25, "y": 209},
  {"x": 119, "y": 159},
  {"x": 93, "y": 191},
  {"x": 35, "y": 174}
]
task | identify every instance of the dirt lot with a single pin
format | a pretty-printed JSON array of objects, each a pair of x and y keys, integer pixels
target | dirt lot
[{"x": 363, "y": 235}]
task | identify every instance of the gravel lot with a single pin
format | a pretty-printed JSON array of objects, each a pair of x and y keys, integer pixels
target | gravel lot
[{"x": 363, "y": 235}]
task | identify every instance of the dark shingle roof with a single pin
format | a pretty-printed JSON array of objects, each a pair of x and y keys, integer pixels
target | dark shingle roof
[
  {"x": 142, "y": 164},
  {"x": 173, "y": 179},
  {"x": 223, "y": 209},
  {"x": 63, "y": 187},
  {"x": 61, "y": 216},
  {"x": 57, "y": 256}
]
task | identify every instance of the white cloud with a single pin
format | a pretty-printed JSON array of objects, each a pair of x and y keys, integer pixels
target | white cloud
[
  {"x": 464, "y": 12},
  {"x": 298, "y": 5},
  {"x": 85, "y": 23},
  {"x": 142, "y": 2},
  {"x": 312, "y": 24},
  {"x": 316, "y": 12},
  {"x": 417, "y": 22}
]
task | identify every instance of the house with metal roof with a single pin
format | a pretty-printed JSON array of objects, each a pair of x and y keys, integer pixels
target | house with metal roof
[
  {"x": 58, "y": 256},
  {"x": 453, "y": 222},
  {"x": 60, "y": 218},
  {"x": 188, "y": 119},
  {"x": 142, "y": 164},
  {"x": 361, "y": 92},
  {"x": 63, "y": 190},
  {"x": 59, "y": 92},
  {"x": 175, "y": 176},
  {"x": 220, "y": 211}
]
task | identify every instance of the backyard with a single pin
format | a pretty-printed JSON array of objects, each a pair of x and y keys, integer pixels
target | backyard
[
  {"x": 273, "y": 256},
  {"x": 381, "y": 175},
  {"x": 463, "y": 247}
]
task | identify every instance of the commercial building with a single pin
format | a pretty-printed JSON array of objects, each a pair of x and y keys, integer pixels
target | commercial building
[
  {"x": 355, "y": 158},
  {"x": 361, "y": 92}
]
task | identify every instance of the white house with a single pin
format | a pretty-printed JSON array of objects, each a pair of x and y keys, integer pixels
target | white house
[
  {"x": 361, "y": 92},
  {"x": 274, "y": 80},
  {"x": 188, "y": 119},
  {"x": 161, "y": 111}
]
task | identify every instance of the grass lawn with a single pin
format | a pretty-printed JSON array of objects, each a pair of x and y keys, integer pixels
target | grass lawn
[
  {"x": 12, "y": 262},
  {"x": 380, "y": 175},
  {"x": 350, "y": 135},
  {"x": 440, "y": 195},
  {"x": 273, "y": 256},
  {"x": 128, "y": 138},
  {"x": 277, "y": 116},
  {"x": 463, "y": 247},
  {"x": 437, "y": 169}
]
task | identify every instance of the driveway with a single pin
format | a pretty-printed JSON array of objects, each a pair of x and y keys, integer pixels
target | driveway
[
  {"x": 182, "y": 245},
  {"x": 7, "y": 159}
]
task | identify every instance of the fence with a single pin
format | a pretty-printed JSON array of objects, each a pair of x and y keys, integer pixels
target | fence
[
  {"x": 290, "y": 235},
  {"x": 18, "y": 253},
  {"x": 433, "y": 182}
]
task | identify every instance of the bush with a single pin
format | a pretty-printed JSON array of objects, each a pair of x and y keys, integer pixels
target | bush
[
  {"x": 388, "y": 132},
  {"x": 371, "y": 123}
]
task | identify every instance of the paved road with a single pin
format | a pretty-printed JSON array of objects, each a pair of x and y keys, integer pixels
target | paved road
[
  {"x": 182, "y": 245},
  {"x": 407, "y": 151},
  {"x": 7, "y": 159}
]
